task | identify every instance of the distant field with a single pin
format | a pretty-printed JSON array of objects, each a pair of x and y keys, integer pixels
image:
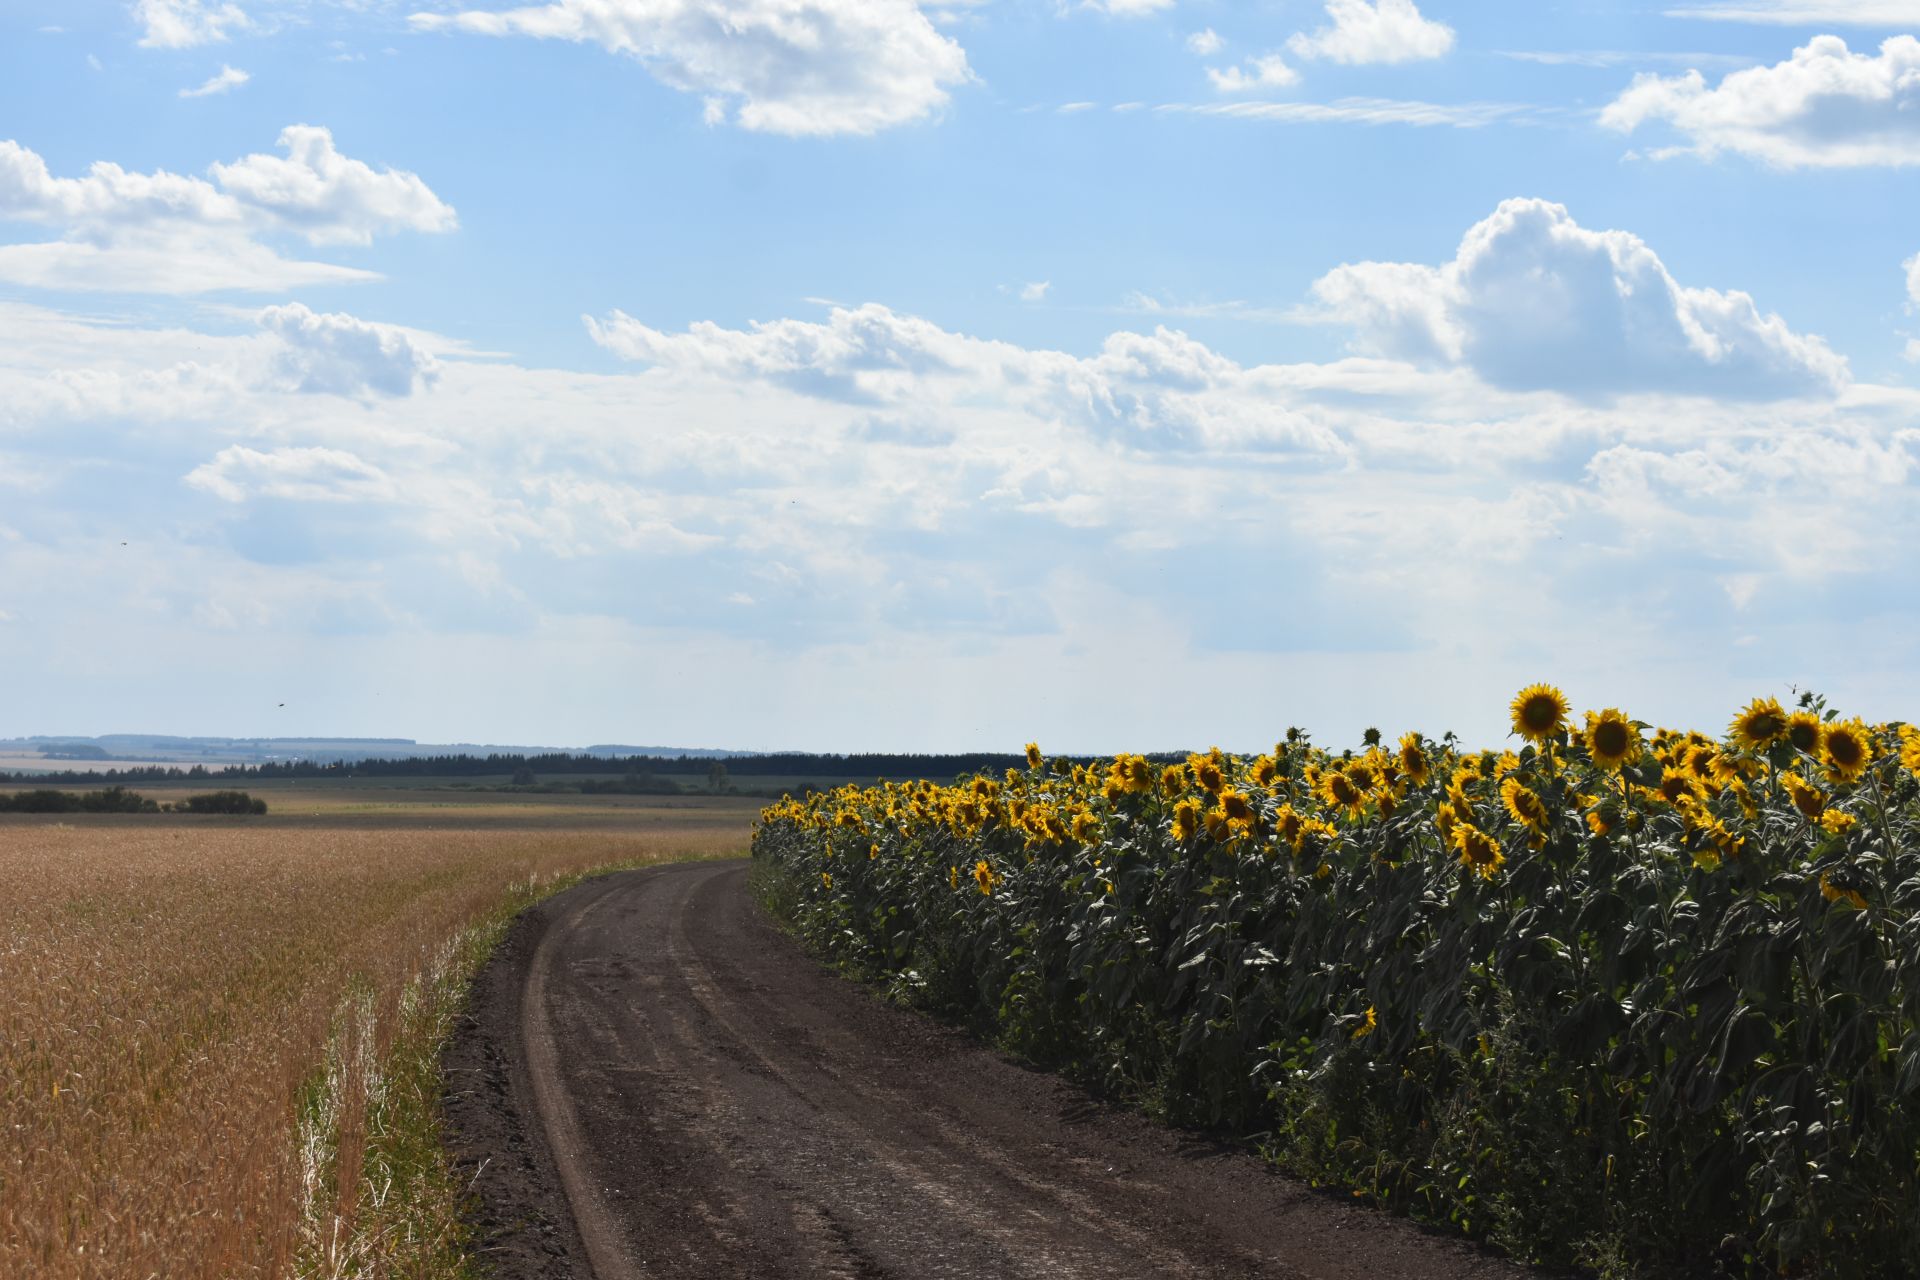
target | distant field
[
  {"x": 173, "y": 985},
  {"x": 694, "y": 784},
  {"x": 15, "y": 763}
]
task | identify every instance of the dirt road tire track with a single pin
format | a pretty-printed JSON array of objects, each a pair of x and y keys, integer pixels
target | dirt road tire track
[{"x": 654, "y": 1081}]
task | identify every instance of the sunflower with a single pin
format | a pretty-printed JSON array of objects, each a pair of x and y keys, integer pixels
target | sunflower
[
  {"x": 1264, "y": 770},
  {"x": 1236, "y": 806},
  {"x": 1837, "y": 823},
  {"x": 1847, "y": 749},
  {"x": 1612, "y": 739},
  {"x": 1676, "y": 788},
  {"x": 1762, "y": 724},
  {"x": 1033, "y": 755},
  {"x": 984, "y": 877},
  {"x": 1910, "y": 752},
  {"x": 1186, "y": 820},
  {"x": 1539, "y": 712},
  {"x": 953, "y": 877},
  {"x": 1479, "y": 852},
  {"x": 1207, "y": 773},
  {"x": 1367, "y": 1025},
  {"x": 1834, "y": 893},
  {"x": 1290, "y": 826},
  {"x": 1413, "y": 760},
  {"x": 1803, "y": 731},
  {"x": 1806, "y": 797},
  {"x": 1341, "y": 791},
  {"x": 1526, "y": 807}
]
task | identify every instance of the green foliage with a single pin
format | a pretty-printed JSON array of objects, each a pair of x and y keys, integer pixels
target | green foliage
[
  {"x": 1677, "y": 1025},
  {"x": 223, "y": 802}
]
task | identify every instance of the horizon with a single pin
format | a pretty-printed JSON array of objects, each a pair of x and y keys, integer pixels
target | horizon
[{"x": 936, "y": 377}]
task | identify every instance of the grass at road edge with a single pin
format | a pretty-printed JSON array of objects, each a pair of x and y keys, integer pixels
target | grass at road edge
[{"x": 379, "y": 1194}]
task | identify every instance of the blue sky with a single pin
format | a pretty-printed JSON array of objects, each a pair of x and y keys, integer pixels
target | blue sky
[{"x": 851, "y": 374}]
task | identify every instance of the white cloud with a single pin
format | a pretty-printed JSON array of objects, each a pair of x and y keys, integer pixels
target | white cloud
[
  {"x": 329, "y": 198},
  {"x": 1621, "y": 58},
  {"x": 788, "y": 66},
  {"x": 169, "y": 233},
  {"x": 1373, "y": 111},
  {"x": 1534, "y": 301},
  {"x": 1129, "y": 8},
  {"x": 1267, "y": 72},
  {"x": 1796, "y": 13},
  {"x": 182, "y": 24},
  {"x": 228, "y": 78},
  {"x": 1036, "y": 291},
  {"x": 342, "y": 355},
  {"x": 238, "y": 473},
  {"x": 913, "y": 509},
  {"x": 1381, "y": 31},
  {"x": 1825, "y": 107},
  {"x": 1205, "y": 43}
]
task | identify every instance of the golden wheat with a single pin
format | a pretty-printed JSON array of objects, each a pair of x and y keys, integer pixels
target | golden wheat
[{"x": 166, "y": 989}]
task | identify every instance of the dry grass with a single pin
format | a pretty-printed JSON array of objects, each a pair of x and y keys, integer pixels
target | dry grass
[{"x": 176, "y": 995}]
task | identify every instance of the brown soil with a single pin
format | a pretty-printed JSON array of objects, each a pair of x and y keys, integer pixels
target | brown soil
[{"x": 654, "y": 1081}]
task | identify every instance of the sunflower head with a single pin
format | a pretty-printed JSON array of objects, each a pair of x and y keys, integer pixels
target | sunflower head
[
  {"x": 1186, "y": 820},
  {"x": 984, "y": 876},
  {"x": 1236, "y": 806},
  {"x": 1806, "y": 797},
  {"x": 1414, "y": 762},
  {"x": 1910, "y": 751},
  {"x": 1207, "y": 772},
  {"x": 1033, "y": 755},
  {"x": 1846, "y": 749},
  {"x": 1762, "y": 724},
  {"x": 1539, "y": 712},
  {"x": 1290, "y": 826},
  {"x": 1341, "y": 791},
  {"x": 1803, "y": 731},
  {"x": 1612, "y": 740},
  {"x": 1479, "y": 852},
  {"x": 1526, "y": 807}
]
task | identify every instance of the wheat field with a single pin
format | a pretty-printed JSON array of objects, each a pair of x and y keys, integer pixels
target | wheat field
[{"x": 174, "y": 1000}]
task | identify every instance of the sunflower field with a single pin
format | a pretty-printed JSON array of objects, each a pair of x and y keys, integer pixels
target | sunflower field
[{"x": 1620, "y": 998}]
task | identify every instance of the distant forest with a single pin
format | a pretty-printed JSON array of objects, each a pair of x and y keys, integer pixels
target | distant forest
[{"x": 557, "y": 765}]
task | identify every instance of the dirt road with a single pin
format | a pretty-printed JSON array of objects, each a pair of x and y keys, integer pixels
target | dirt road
[{"x": 656, "y": 1082}]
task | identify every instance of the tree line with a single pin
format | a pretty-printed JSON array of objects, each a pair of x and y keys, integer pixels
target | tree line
[{"x": 868, "y": 765}]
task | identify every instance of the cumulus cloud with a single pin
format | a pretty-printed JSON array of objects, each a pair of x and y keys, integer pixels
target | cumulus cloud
[
  {"x": 786, "y": 66},
  {"x": 1381, "y": 31},
  {"x": 1826, "y": 107},
  {"x": 182, "y": 24},
  {"x": 225, "y": 80},
  {"x": 1129, "y": 8},
  {"x": 1158, "y": 391},
  {"x": 898, "y": 498},
  {"x": 1035, "y": 291},
  {"x": 1534, "y": 301},
  {"x": 1267, "y": 72},
  {"x": 238, "y": 473},
  {"x": 1205, "y": 43},
  {"x": 169, "y": 233},
  {"x": 342, "y": 355}
]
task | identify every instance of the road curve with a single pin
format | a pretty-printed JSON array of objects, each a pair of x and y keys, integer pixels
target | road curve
[{"x": 654, "y": 1081}]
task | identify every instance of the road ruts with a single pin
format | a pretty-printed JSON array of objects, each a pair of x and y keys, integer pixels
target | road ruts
[{"x": 656, "y": 1082}]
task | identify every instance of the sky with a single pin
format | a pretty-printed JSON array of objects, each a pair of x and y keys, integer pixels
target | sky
[{"x": 869, "y": 375}]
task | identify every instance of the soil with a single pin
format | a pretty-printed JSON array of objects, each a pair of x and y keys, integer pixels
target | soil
[{"x": 653, "y": 1080}]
